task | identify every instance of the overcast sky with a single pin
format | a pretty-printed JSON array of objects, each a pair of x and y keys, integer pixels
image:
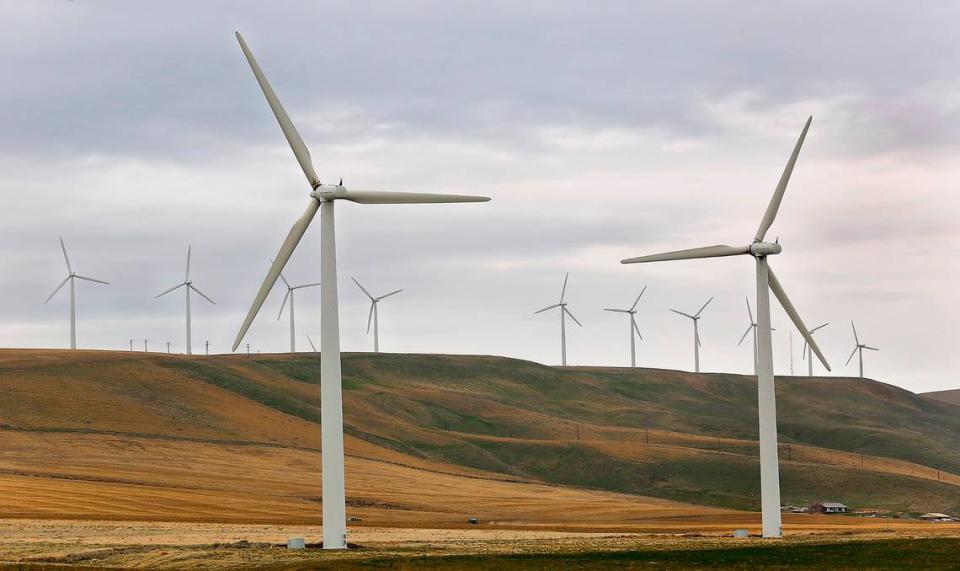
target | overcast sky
[{"x": 601, "y": 130}]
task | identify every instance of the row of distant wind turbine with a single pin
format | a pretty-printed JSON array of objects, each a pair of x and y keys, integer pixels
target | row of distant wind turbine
[{"x": 634, "y": 331}]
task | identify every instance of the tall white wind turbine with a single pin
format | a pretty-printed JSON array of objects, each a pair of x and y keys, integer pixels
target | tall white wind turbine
[
  {"x": 322, "y": 198},
  {"x": 632, "y": 312},
  {"x": 293, "y": 320},
  {"x": 563, "y": 325},
  {"x": 72, "y": 277},
  {"x": 188, "y": 285},
  {"x": 858, "y": 348},
  {"x": 374, "y": 313},
  {"x": 696, "y": 332},
  {"x": 806, "y": 354},
  {"x": 766, "y": 281}
]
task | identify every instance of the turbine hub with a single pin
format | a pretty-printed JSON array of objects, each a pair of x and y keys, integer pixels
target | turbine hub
[
  {"x": 327, "y": 192},
  {"x": 761, "y": 249}
]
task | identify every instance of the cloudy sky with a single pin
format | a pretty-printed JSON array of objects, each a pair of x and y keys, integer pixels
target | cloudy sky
[{"x": 601, "y": 130}]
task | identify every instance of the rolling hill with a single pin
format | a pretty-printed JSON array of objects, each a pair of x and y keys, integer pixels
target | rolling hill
[
  {"x": 949, "y": 397},
  {"x": 432, "y": 439}
]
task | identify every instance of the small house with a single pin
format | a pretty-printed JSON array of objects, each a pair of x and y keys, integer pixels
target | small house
[
  {"x": 828, "y": 508},
  {"x": 937, "y": 517}
]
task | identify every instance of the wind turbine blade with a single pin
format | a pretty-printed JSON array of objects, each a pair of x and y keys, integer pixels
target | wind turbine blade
[
  {"x": 778, "y": 291},
  {"x": 771, "y": 214},
  {"x": 312, "y": 346},
  {"x": 563, "y": 292},
  {"x": 66, "y": 257},
  {"x": 49, "y": 297},
  {"x": 78, "y": 276},
  {"x": 289, "y": 245},
  {"x": 282, "y": 278},
  {"x": 373, "y": 304},
  {"x": 803, "y": 354},
  {"x": 636, "y": 301},
  {"x": 380, "y": 197},
  {"x": 851, "y": 355},
  {"x": 691, "y": 254},
  {"x": 682, "y": 313},
  {"x": 201, "y": 294},
  {"x": 571, "y": 316},
  {"x": 165, "y": 292},
  {"x": 389, "y": 294},
  {"x": 617, "y": 310},
  {"x": 635, "y": 328},
  {"x": 286, "y": 125},
  {"x": 306, "y": 285},
  {"x": 697, "y": 335},
  {"x": 283, "y": 304},
  {"x": 750, "y": 311},
  {"x": 749, "y": 329},
  {"x": 870, "y": 348},
  {"x": 546, "y": 308},
  {"x": 818, "y": 327},
  {"x": 697, "y": 314},
  {"x": 857, "y": 339},
  {"x": 362, "y": 288},
  {"x": 187, "y": 278}
]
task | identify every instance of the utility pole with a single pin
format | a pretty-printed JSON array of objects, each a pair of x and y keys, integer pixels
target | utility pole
[
  {"x": 145, "y": 346},
  {"x": 248, "y": 349},
  {"x": 207, "y": 347},
  {"x": 131, "y": 344},
  {"x": 168, "y": 347}
]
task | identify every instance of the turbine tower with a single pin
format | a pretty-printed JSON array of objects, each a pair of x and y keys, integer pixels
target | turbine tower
[
  {"x": 753, "y": 327},
  {"x": 322, "y": 198},
  {"x": 632, "y": 312},
  {"x": 858, "y": 348},
  {"x": 766, "y": 281},
  {"x": 189, "y": 287},
  {"x": 72, "y": 277},
  {"x": 696, "y": 331},
  {"x": 805, "y": 354},
  {"x": 563, "y": 325},
  {"x": 373, "y": 315},
  {"x": 289, "y": 295}
]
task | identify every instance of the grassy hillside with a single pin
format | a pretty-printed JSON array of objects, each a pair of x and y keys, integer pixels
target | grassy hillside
[
  {"x": 949, "y": 397},
  {"x": 220, "y": 437}
]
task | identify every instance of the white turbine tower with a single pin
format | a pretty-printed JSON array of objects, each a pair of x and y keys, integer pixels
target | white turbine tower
[
  {"x": 563, "y": 325},
  {"x": 766, "y": 281},
  {"x": 632, "y": 312},
  {"x": 189, "y": 287},
  {"x": 696, "y": 331},
  {"x": 374, "y": 313},
  {"x": 289, "y": 295},
  {"x": 805, "y": 354},
  {"x": 72, "y": 277},
  {"x": 858, "y": 348},
  {"x": 322, "y": 198}
]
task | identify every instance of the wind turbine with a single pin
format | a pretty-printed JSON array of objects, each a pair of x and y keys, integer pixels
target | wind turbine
[
  {"x": 696, "y": 331},
  {"x": 189, "y": 287},
  {"x": 563, "y": 325},
  {"x": 805, "y": 354},
  {"x": 374, "y": 313},
  {"x": 766, "y": 281},
  {"x": 322, "y": 198},
  {"x": 72, "y": 277},
  {"x": 289, "y": 295},
  {"x": 753, "y": 327},
  {"x": 859, "y": 347},
  {"x": 632, "y": 312}
]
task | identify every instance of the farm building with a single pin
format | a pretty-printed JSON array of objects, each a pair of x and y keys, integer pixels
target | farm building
[
  {"x": 937, "y": 517},
  {"x": 828, "y": 508}
]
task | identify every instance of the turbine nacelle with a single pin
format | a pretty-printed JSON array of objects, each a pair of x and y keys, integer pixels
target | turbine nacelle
[
  {"x": 760, "y": 249},
  {"x": 327, "y": 192}
]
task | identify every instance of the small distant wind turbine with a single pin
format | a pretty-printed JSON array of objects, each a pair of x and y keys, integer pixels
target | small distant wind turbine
[
  {"x": 766, "y": 282},
  {"x": 632, "y": 312},
  {"x": 189, "y": 287},
  {"x": 806, "y": 353},
  {"x": 72, "y": 277},
  {"x": 563, "y": 325},
  {"x": 753, "y": 327},
  {"x": 145, "y": 350},
  {"x": 374, "y": 313},
  {"x": 322, "y": 198},
  {"x": 312, "y": 346},
  {"x": 696, "y": 333},
  {"x": 289, "y": 295},
  {"x": 859, "y": 347}
]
